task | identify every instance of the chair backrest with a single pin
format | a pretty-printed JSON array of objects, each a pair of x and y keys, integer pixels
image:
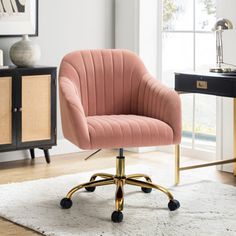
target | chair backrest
[{"x": 106, "y": 80}]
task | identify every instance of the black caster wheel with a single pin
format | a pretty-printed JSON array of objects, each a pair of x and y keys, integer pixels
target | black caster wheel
[
  {"x": 173, "y": 205},
  {"x": 146, "y": 190},
  {"x": 90, "y": 189},
  {"x": 66, "y": 203},
  {"x": 117, "y": 216}
]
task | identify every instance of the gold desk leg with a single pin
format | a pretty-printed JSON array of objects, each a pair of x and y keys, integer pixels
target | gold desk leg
[
  {"x": 177, "y": 164},
  {"x": 234, "y": 135}
]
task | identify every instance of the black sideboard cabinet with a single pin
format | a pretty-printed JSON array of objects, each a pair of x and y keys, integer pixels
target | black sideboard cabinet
[{"x": 28, "y": 109}]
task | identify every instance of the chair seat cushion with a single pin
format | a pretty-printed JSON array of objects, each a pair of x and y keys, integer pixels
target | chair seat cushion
[{"x": 116, "y": 131}]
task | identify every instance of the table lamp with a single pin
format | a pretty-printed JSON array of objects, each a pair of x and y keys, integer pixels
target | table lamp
[{"x": 220, "y": 25}]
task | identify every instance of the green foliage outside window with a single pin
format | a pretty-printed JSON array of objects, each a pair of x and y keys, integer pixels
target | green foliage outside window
[
  {"x": 171, "y": 11},
  {"x": 199, "y": 128},
  {"x": 209, "y": 6}
]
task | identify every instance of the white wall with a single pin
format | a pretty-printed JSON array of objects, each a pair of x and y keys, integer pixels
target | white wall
[
  {"x": 149, "y": 43},
  {"x": 226, "y": 9},
  {"x": 65, "y": 26},
  {"x": 127, "y": 24},
  {"x": 133, "y": 19}
]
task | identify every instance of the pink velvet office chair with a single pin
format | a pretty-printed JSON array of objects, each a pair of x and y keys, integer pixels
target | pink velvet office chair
[{"x": 109, "y": 100}]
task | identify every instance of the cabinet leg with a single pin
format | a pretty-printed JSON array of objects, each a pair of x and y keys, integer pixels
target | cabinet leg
[
  {"x": 32, "y": 153},
  {"x": 47, "y": 156}
]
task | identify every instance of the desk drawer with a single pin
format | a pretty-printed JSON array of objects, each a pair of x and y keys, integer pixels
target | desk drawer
[{"x": 206, "y": 85}]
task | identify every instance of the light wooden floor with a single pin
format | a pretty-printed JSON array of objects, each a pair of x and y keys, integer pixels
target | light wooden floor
[{"x": 19, "y": 171}]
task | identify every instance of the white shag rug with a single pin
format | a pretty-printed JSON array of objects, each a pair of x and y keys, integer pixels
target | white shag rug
[{"x": 207, "y": 208}]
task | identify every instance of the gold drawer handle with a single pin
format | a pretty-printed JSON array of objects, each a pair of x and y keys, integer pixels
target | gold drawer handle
[{"x": 202, "y": 84}]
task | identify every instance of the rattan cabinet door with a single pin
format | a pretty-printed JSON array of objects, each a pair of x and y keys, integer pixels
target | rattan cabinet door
[
  {"x": 5, "y": 110},
  {"x": 36, "y": 108}
]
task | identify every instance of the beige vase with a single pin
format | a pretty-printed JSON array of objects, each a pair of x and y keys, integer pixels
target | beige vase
[{"x": 25, "y": 53}]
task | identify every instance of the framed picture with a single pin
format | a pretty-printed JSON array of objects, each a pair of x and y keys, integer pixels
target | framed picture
[{"x": 18, "y": 17}]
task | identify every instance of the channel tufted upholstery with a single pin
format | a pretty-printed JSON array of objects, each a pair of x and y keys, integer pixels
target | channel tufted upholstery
[{"x": 108, "y": 99}]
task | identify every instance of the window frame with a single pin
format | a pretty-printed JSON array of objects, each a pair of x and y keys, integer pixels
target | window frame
[{"x": 189, "y": 150}]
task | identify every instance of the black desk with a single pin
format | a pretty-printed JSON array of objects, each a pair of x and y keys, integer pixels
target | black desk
[{"x": 223, "y": 85}]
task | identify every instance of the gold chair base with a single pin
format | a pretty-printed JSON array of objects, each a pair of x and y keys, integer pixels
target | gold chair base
[{"x": 120, "y": 179}]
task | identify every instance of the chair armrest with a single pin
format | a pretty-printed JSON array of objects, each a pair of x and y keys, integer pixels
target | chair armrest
[
  {"x": 74, "y": 122},
  {"x": 158, "y": 101}
]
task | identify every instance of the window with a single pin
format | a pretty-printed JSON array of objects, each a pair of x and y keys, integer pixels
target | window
[{"x": 189, "y": 44}]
